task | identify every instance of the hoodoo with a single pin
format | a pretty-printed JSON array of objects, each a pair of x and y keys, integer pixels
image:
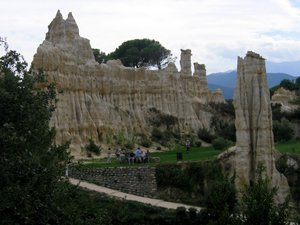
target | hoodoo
[{"x": 253, "y": 121}]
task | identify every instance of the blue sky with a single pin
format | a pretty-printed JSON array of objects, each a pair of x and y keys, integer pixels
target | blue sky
[{"x": 217, "y": 31}]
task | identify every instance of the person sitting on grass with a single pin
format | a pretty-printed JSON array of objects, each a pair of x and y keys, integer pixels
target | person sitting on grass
[
  {"x": 131, "y": 157},
  {"x": 143, "y": 156}
]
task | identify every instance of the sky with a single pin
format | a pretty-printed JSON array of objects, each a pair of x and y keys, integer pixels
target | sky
[{"x": 217, "y": 31}]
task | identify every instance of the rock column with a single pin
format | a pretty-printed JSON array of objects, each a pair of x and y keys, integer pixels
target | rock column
[
  {"x": 254, "y": 124},
  {"x": 185, "y": 62}
]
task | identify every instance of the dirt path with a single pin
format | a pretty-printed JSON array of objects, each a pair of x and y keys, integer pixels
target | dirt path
[{"x": 131, "y": 197}]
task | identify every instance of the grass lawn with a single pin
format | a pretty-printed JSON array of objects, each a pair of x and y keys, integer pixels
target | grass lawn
[
  {"x": 292, "y": 146},
  {"x": 195, "y": 154}
]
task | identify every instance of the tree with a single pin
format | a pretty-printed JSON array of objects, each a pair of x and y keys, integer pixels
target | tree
[
  {"x": 287, "y": 84},
  {"x": 221, "y": 200},
  {"x": 258, "y": 206},
  {"x": 31, "y": 165},
  {"x": 282, "y": 130},
  {"x": 142, "y": 52},
  {"x": 100, "y": 56}
]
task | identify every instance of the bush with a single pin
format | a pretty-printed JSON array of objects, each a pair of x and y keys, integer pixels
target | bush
[
  {"x": 220, "y": 143},
  {"x": 257, "y": 203},
  {"x": 92, "y": 147},
  {"x": 145, "y": 142},
  {"x": 198, "y": 143},
  {"x": 221, "y": 199},
  {"x": 282, "y": 130},
  {"x": 164, "y": 138},
  {"x": 205, "y": 135}
]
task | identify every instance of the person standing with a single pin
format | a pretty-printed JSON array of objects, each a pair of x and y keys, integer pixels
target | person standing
[
  {"x": 108, "y": 156},
  {"x": 138, "y": 155},
  {"x": 188, "y": 146}
]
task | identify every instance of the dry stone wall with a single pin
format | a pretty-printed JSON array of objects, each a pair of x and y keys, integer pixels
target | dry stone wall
[
  {"x": 96, "y": 99},
  {"x": 139, "y": 181}
]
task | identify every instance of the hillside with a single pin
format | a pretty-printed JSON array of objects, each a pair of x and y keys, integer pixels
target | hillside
[
  {"x": 292, "y": 68},
  {"x": 226, "y": 81}
]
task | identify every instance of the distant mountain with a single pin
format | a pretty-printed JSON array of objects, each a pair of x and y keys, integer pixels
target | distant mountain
[
  {"x": 226, "y": 81},
  {"x": 292, "y": 68}
]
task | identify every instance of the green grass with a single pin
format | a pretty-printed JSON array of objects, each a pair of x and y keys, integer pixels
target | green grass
[
  {"x": 195, "y": 154},
  {"x": 292, "y": 146}
]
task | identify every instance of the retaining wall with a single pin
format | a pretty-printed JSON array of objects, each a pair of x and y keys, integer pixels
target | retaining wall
[{"x": 138, "y": 180}]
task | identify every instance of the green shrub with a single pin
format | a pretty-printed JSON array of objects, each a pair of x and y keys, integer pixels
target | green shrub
[
  {"x": 188, "y": 183},
  {"x": 282, "y": 130},
  {"x": 129, "y": 145},
  {"x": 257, "y": 203},
  {"x": 223, "y": 129},
  {"x": 205, "y": 135},
  {"x": 162, "y": 137},
  {"x": 198, "y": 143},
  {"x": 145, "y": 142},
  {"x": 220, "y": 143},
  {"x": 92, "y": 147},
  {"x": 156, "y": 135},
  {"x": 221, "y": 199}
]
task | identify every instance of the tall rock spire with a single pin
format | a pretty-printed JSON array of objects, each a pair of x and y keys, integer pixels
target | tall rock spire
[
  {"x": 63, "y": 42},
  {"x": 185, "y": 62},
  {"x": 253, "y": 123}
]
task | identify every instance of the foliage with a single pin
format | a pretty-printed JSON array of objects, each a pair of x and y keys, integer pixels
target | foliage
[
  {"x": 205, "y": 135},
  {"x": 163, "y": 137},
  {"x": 189, "y": 183},
  {"x": 292, "y": 173},
  {"x": 282, "y": 130},
  {"x": 120, "y": 138},
  {"x": 287, "y": 84},
  {"x": 221, "y": 201},
  {"x": 93, "y": 148},
  {"x": 145, "y": 142},
  {"x": 220, "y": 143},
  {"x": 224, "y": 109},
  {"x": 30, "y": 165},
  {"x": 223, "y": 129},
  {"x": 221, "y": 197},
  {"x": 142, "y": 52},
  {"x": 276, "y": 112},
  {"x": 258, "y": 206},
  {"x": 100, "y": 56}
]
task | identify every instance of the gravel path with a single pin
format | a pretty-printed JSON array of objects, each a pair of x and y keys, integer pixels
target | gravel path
[{"x": 131, "y": 197}]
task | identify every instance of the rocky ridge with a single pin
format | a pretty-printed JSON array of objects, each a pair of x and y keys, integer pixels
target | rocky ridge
[{"x": 100, "y": 99}]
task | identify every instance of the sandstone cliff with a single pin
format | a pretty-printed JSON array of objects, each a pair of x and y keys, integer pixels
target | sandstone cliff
[
  {"x": 284, "y": 98},
  {"x": 98, "y": 99}
]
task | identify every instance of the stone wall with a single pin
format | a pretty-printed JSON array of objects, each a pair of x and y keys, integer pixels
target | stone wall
[{"x": 139, "y": 181}]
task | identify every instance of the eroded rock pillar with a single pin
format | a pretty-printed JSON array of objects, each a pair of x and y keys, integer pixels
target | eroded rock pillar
[
  {"x": 254, "y": 136},
  {"x": 185, "y": 62}
]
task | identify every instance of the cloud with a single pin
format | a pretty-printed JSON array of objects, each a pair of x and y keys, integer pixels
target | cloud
[{"x": 217, "y": 31}]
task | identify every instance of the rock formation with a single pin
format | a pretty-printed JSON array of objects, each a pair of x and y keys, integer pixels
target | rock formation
[
  {"x": 98, "y": 100},
  {"x": 253, "y": 121},
  {"x": 185, "y": 62},
  {"x": 284, "y": 98}
]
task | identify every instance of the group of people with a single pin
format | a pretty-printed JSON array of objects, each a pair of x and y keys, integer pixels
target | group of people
[{"x": 138, "y": 156}]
